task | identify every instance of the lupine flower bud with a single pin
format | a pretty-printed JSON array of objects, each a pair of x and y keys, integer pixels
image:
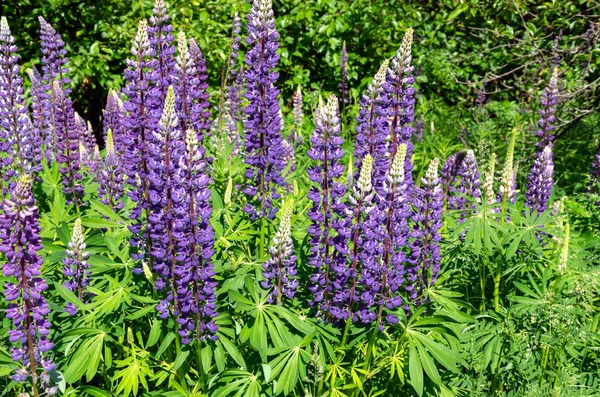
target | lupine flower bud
[
  {"x": 27, "y": 308},
  {"x": 75, "y": 267},
  {"x": 298, "y": 116},
  {"x": 263, "y": 139},
  {"x": 344, "y": 86},
  {"x": 328, "y": 232},
  {"x": 540, "y": 181},
  {"x": 112, "y": 176},
  {"x": 488, "y": 184},
  {"x": 507, "y": 185},
  {"x": 280, "y": 270},
  {"x": 228, "y": 190}
]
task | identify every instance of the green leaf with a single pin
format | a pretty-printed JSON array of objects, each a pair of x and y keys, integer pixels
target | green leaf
[
  {"x": 169, "y": 338},
  {"x": 415, "y": 370}
]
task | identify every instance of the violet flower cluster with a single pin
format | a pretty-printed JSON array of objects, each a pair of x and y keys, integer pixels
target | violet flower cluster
[
  {"x": 540, "y": 181},
  {"x": 67, "y": 146},
  {"x": 461, "y": 183},
  {"x": 383, "y": 271},
  {"x": 280, "y": 270},
  {"x": 17, "y": 135},
  {"x": 297, "y": 136},
  {"x": 425, "y": 259},
  {"x": 161, "y": 40},
  {"x": 263, "y": 140},
  {"x": 54, "y": 70},
  {"x": 328, "y": 231},
  {"x": 370, "y": 136},
  {"x": 75, "y": 266},
  {"x": 27, "y": 308},
  {"x": 548, "y": 102},
  {"x": 113, "y": 117}
]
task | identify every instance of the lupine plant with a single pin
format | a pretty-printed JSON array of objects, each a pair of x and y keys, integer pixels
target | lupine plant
[{"x": 195, "y": 251}]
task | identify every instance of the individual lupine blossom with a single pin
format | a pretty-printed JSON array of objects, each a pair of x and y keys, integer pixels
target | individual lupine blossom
[
  {"x": 161, "y": 39},
  {"x": 384, "y": 263},
  {"x": 264, "y": 151},
  {"x": 194, "y": 274},
  {"x": 17, "y": 135},
  {"x": 344, "y": 86},
  {"x": 428, "y": 203},
  {"x": 38, "y": 114},
  {"x": 548, "y": 102},
  {"x": 142, "y": 105},
  {"x": 191, "y": 88},
  {"x": 328, "y": 231},
  {"x": 468, "y": 189},
  {"x": 27, "y": 308},
  {"x": 370, "y": 134},
  {"x": 166, "y": 205},
  {"x": 346, "y": 293},
  {"x": 298, "y": 113},
  {"x": 112, "y": 177},
  {"x": 540, "y": 181},
  {"x": 280, "y": 269},
  {"x": 397, "y": 107},
  {"x": 114, "y": 115},
  {"x": 54, "y": 69},
  {"x": 75, "y": 266},
  {"x": 67, "y": 153},
  {"x": 507, "y": 193}
]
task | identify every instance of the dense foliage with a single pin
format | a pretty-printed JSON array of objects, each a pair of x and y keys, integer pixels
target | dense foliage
[{"x": 307, "y": 198}]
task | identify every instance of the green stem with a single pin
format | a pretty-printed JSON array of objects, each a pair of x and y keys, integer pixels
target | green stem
[
  {"x": 482, "y": 283},
  {"x": 261, "y": 242},
  {"x": 346, "y": 331}
]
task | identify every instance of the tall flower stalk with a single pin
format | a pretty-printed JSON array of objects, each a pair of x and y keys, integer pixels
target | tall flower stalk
[
  {"x": 328, "y": 233},
  {"x": 196, "y": 297},
  {"x": 161, "y": 39},
  {"x": 540, "y": 181},
  {"x": 27, "y": 308},
  {"x": 142, "y": 106},
  {"x": 38, "y": 113},
  {"x": 263, "y": 139},
  {"x": 548, "y": 102},
  {"x": 298, "y": 113},
  {"x": 112, "y": 176},
  {"x": 113, "y": 118}
]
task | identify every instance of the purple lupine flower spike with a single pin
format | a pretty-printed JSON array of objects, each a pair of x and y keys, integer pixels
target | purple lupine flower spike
[
  {"x": 540, "y": 181},
  {"x": 166, "y": 205},
  {"x": 371, "y": 139},
  {"x": 142, "y": 105},
  {"x": 344, "y": 85},
  {"x": 114, "y": 115},
  {"x": 190, "y": 86},
  {"x": 361, "y": 204},
  {"x": 17, "y": 135},
  {"x": 280, "y": 270},
  {"x": 38, "y": 114},
  {"x": 54, "y": 69},
  {"x": 112, "y": 176},
  {"x": 161, "y": 40},
  {"x": 264, "y": 150},
  {"x": 75, "y": 267},
  {"x": 461, "y": 181},
  {"x": 67, "y": 145},
  {"x": 196, "y": 286},
  {"x": 27, "y": 308},
  {"x": 428, "y": 202},
  {"x": 384, "y": 257},
  {"x": 200, "y": 115},
  {"x": 548, "y": 102},
  {"x": 328, "y": 233}
]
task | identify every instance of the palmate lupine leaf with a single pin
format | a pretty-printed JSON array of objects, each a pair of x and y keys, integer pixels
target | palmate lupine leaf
[
  {"x": 239, "y": 383},
  {"x": 85, "y": 360}
]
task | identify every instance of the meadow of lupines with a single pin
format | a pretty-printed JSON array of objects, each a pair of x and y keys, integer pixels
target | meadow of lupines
[{"x": 247, "y": 244}]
